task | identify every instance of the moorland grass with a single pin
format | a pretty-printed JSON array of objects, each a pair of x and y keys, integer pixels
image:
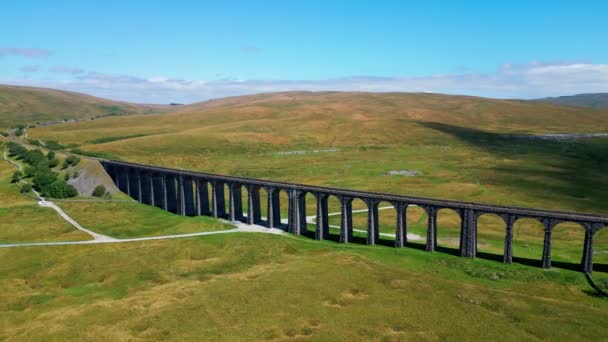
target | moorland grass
[
  {"x": 254, "y": 286},
  {"x": 126, "y": 220}
]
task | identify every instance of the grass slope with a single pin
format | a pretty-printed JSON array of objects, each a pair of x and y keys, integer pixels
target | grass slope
[
  {"x": 455, "y": 142},
  {"x": 599, "y": 100},
  {"x": 27, "y": 105},
  {"x": 125, "y": 220},
  {"x": 255, "y": 287},
  {"x": 21, "y": 220}
]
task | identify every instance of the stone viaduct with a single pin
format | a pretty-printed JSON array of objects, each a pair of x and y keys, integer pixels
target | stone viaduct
[{"x": 187, "y": 193}]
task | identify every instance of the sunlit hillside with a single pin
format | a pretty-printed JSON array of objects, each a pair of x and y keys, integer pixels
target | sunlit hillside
[
  {"x": 455, "y": 144},
  {"x": 27, "y": 105}
]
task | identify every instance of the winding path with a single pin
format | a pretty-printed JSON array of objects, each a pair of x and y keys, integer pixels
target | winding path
[{"x": 240, "y": 227}]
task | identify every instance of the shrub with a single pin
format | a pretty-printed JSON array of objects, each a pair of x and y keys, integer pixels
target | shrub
[
  {"x": 26, "y": 188},
  {"x": 17, "y": 175},
  {"x": 66, "y": 177},
  {"x": 44, "y": 178},
  {"x": 99, "y": 191},
  {"x": 50, "y": 155},
  {"x": 16, "y": 150},
  {"x": 60, "y": 189},
  {"x": 53, "y": 162},
  {"x": 34, "y": 157},
  {"x": 34, "y": 142},
  {"x": 75, "y": 175},
  {"x": 71, "y": 161},
  {"x": 53, "y": 145}
]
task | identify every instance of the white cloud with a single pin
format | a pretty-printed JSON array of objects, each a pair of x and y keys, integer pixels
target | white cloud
[
  {"x": 30, "y": 68},
  {"x": 509, "y": 81},
  {"x": 63, "y": 69},
  {"x": 24, "y": 52}
]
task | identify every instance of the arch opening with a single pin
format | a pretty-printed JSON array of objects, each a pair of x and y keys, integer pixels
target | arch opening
[
  {"x": 600, "y": 258},
  {"x": 528, "y": 238},
  {"x": 491, "y": 234},
  {"x": 448, "y": 231},
  {"x": 416, "y": 219},
  {"x": 567, "y": 241}
]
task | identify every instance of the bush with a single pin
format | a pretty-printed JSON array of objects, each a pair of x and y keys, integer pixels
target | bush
[
  {"x": 53, "y": 145},
  {"x": 26, "y": 188},
  {"x": 17, "y": 175},
  {"x": 50, "y": 155},
  {"x": 44, "y": 178},
  {"x": 99, "y": 191},
  {"x": 53, "y": 162},
  {"x": 75, "y": 175},
  {"x": 66, "y": 177},
  {"x": 60, "y": 189},
  {"x": 71, "y": 161},
  {"x": 34, "y": 157},
  {"x": 16, "y": 150},
  {"x": 34, "y": 142}
]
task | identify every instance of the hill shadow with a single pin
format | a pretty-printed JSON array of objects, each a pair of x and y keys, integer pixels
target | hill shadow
[{"x": 573, "y": 171}]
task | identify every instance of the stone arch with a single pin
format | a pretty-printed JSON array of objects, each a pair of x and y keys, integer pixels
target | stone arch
[
  {"x": 387, "y": 222},
  {"x": 263, "y": 192},
  {"x": 491, "y": 235},
  {"x": 227, "y": 198},
  {"x": 528, "y": 240},
  {"x": 334, "y": 216},
  {"x": 449, "y": 222},
  {"x": 600, "y": 254},
  {"x": 416, "y": 219},
  {"x": 359, "y": 211},
  {"x": 567, "y": 245},
  {"x": 202, "y": 196},
  {"x": 309, "y": 215}
]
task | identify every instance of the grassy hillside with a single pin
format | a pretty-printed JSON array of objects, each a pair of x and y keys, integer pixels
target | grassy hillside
[
  {"x": 265, "y": 287},
  {"x": 454, "y": 143},
  {"x": 27, "y": 105},
  {"x": 599, "y": 100}
]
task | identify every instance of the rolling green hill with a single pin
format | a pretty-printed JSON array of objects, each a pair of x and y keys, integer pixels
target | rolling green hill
[
  {"x": 290, "y": 287},
  {"x": 455, "y": 143},
  {"x": 27, "y": 105},
  {"x": 599, "y": 100}
]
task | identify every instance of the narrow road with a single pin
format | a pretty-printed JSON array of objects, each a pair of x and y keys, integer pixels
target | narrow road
[
  {"x": 100, "y": 238},
  {"x": 410, "y": 236}
]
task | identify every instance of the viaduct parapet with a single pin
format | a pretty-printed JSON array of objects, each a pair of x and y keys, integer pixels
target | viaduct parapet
[{"x": 195, "y": 193}]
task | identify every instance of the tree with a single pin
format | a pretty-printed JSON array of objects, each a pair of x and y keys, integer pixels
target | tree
[
  {"x": 53, "y": 162},
  {"x": 44, "y": 178},
  {"x": 17, "y": 175},
  {"x": 50, "y": 155},
  {"x": 34, "y": 157},
  {"x": 70, "y": 161},
  {"x": 99, "y": 191},
  {"x": 26, "y": 188},
  {"x": 61, "y": 189}
]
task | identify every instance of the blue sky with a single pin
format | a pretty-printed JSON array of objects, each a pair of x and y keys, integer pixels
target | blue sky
[{"x": 186, "y": 51}]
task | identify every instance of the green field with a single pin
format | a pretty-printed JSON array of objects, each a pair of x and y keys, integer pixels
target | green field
[
  {"x": 126, "y": 220},
  {"x": 252, "y": 286},
  {"x": 29, "y": 105},
  {"x": 257, "y": 286}
]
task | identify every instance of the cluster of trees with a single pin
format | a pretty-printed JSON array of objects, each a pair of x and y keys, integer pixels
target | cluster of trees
[
  {"x": 39, "y": 169},
  {"x": 19, "y": 130}
]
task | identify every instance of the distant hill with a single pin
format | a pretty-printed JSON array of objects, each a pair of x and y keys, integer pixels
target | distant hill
[
  {"x": 598, "y": 100},
  {"x": 28, "y": 105}
]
